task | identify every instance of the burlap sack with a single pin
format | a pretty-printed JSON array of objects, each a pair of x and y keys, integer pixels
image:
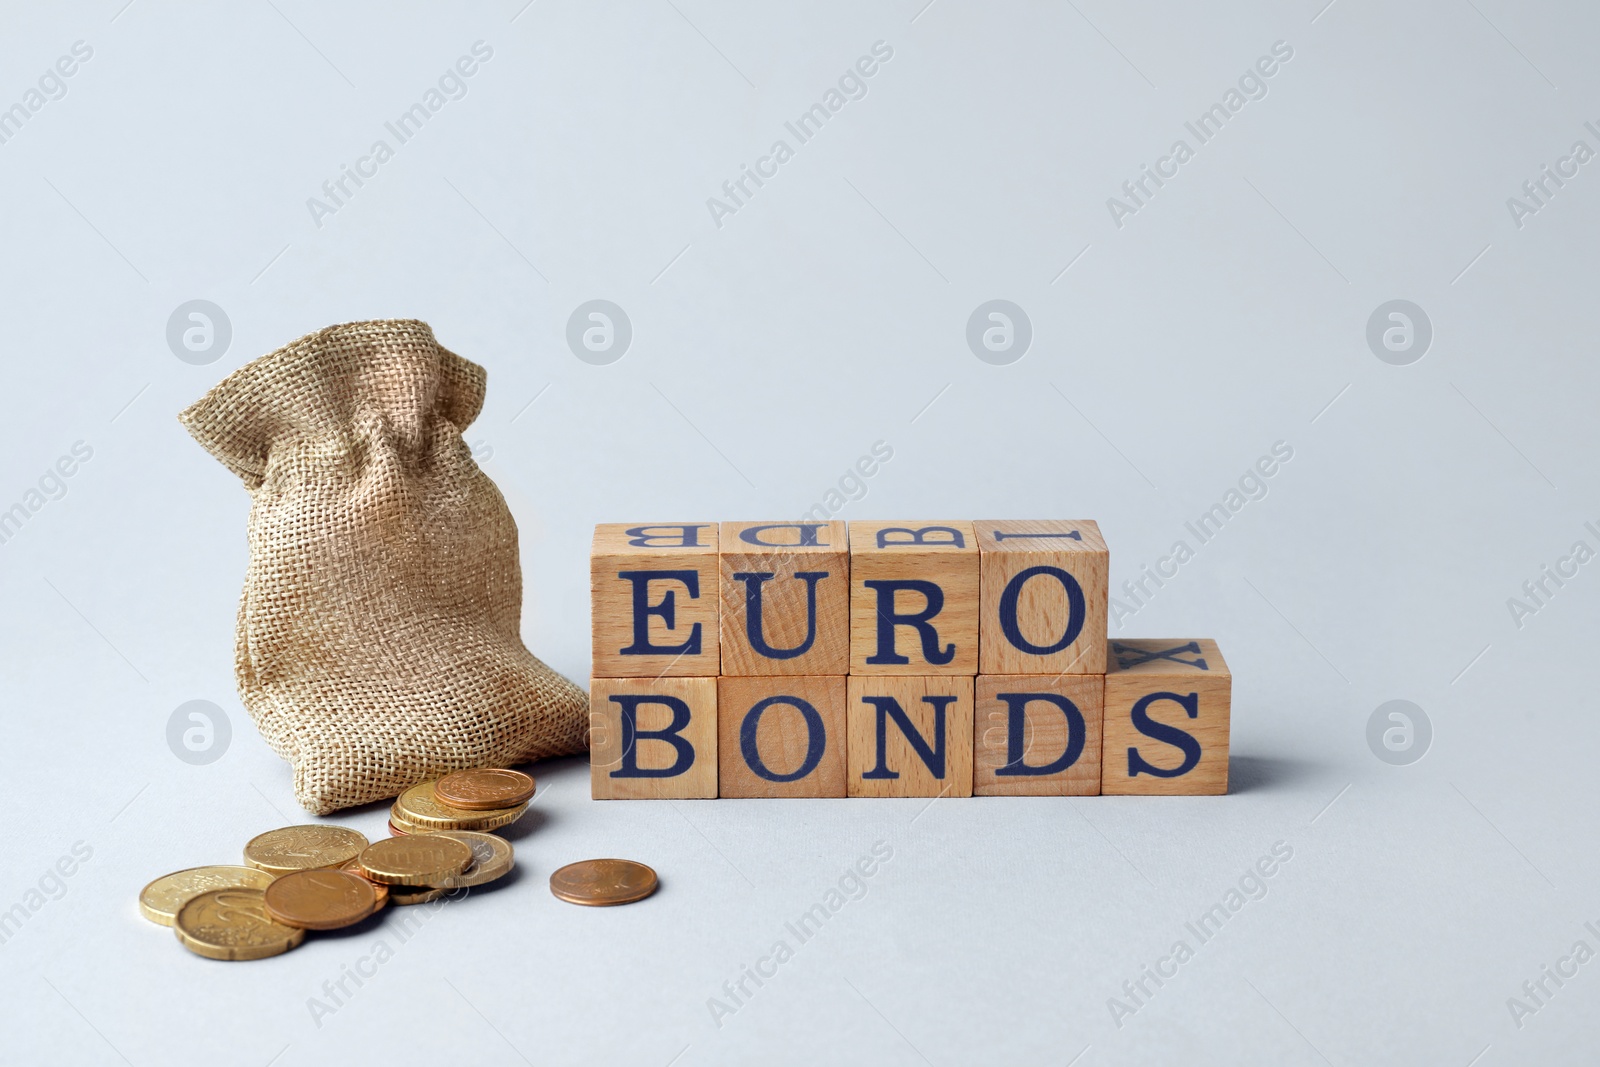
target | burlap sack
[{"x": 379, "y": 631}]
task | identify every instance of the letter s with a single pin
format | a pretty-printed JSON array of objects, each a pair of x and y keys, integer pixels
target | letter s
[{"x": 1182, "y": 740}]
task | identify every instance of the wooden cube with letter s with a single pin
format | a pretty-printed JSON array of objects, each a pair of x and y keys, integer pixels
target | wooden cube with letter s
[{"x": 1167, "y": 714}]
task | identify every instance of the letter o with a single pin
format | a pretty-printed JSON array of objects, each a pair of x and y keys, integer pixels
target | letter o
[
  {"x": 817, "y": 735},
  {"x": 1008, "y": 610}
]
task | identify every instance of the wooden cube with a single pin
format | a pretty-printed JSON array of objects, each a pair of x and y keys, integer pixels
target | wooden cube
[
  {"x": 1167, "y": 718},
  {"x": 654, "y": 596},
  {"x": 1044, "y": 597},
  {"x": 909, "y": 737},
  {"x": 913, "y": 598},
  {"x": 785, "y": 598},
  {"x": 1037, "y": 735},
  {"x": 781, "y": 736},
  {"x": 652, "y": 738}
]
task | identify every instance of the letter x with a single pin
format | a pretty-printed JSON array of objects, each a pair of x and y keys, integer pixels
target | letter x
[{"x": 1137, "y": 656}]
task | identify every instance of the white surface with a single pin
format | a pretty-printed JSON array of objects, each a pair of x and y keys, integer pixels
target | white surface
[{"x": 827, "y": 314}]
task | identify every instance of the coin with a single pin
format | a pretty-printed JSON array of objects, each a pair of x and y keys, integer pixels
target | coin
[
  {"x": 160, "y": 900},
  {"x": 320, "y": 900},
  {"x": 485, "y": 789},
  {"x": 378, "y": 888},
  {"x": 419, "y": 860},
  {"x": 603, "y": 882},
  {"x": 400, "y": 896},
  {"x": 492, "y": 857},
  {"x": 395, "y": 831},
  {"x": 421, "y": 808},
  {"x": 232, "y": 924},
  {"x": 303, "y": 848}
]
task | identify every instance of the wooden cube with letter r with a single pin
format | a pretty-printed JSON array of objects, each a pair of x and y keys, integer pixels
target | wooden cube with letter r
[
  {"x": 653, "y": 599},
  {"x": 785, "y": 598},
  {"x": 652, "y": 738},
  {"x": 1168, "y": 705},
  {"x": 1044, "y": 597},
  {"x": 909, "y": 737},
  {"x": 913, "y": 598}
]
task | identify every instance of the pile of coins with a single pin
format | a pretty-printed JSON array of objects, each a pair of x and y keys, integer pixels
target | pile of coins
[{"x": 323, "y": 877}]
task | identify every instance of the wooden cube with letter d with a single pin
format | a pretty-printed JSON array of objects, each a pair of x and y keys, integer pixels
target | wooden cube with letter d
[
  {"x": 1168, "y": 705},
  {"x": 652, "y": 738}
]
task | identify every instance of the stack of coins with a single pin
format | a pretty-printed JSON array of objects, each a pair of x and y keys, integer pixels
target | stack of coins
[
  {"x": 323, "y": 877},
  {"x": 480, "y": 800}
]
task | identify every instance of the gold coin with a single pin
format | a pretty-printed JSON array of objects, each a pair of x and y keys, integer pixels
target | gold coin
[
  {"x": 378, "y": 888},
  {"x": 401, "y": 896},
  {"x": 492, "y": 857},
  {"x": 603, "y": 882},
  {"x": 420, "y": 807},
  {"x": 419, "y": 860},
  {"x": 232, "y": 924},
  {"x": 319, "y": 900},
  {"x": 485, "y": 789},
  {"x": 160, "y": 900},
  {"x": 303, "y": 848},
  {"x": 395, "y": 831}
]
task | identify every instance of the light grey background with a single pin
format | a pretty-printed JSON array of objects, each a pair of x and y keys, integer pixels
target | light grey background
[{"x": 830, "y": 312}]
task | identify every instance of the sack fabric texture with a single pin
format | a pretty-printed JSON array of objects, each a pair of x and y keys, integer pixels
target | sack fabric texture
[{"x": 379, "y": 639}]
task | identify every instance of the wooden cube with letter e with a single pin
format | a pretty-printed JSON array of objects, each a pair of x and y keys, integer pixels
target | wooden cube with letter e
[
  {"x": 909, "y": 737},
  {"x": 913, "y": 598},
  {"x": 781, "y": 736},
  {"x": 785, "y": 590},
  {"x": 1044, "y": 597},
  {"x": 654, "y": 599},
  {"x": 1168, "y": 705},
  {"x": 652, "y": 738},
  {"x": 1037, "y": 735}
]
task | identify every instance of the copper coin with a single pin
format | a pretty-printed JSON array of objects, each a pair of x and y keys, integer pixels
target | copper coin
[
  {"x": 382, "y": 891},
  {"x": 599, "y": 883},
  {"x": 395, "y": 831},
  {"x": 485, "y": 789},
  {"x": 319, "y": 900}
]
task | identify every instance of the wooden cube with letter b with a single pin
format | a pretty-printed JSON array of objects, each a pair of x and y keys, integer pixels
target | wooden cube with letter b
[
  {"x": 1036, "y": 735},
  {"x": 1168, "y": 705},
  {"x": 785, "y": 590},
  {"x": 909, "y": 737},
  {"x": 1044, "y": 597},
  {"x": 652, "y": 738},
  {"x": 781, "y": 736},
  {"x": 653, "y": 600},
  {"x": 913, "y": 598}
]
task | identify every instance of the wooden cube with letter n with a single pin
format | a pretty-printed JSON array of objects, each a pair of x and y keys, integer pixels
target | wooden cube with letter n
[
  {"x": 913, "y": 598},
  {"x": 909, "y": 737},
  {"x": 1167, "y": 718},
  {"x": 785, "y": 598},
  {"x": 652, "y": 738},
  {"x": 653, "y": 598},
  {"x": 1044, "y": 597},
  {"x": 781, "y": 736},
  {"x": 1037, "y": 735}
]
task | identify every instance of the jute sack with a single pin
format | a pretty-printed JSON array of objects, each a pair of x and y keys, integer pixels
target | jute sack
[{"x": 379, "y": 631}]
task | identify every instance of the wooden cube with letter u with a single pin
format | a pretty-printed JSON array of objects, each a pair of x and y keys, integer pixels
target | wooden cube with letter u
[
  {"x": 652, "y": 738},
  {"x": 1168, "y": 707},
  {"x": 909, "y": 737},
  {"x": 785, "y": 598},
  {"x": 653, "y": 592}
]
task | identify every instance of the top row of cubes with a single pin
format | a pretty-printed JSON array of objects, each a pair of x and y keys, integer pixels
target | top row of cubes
[{"x": 874, "y": 598}]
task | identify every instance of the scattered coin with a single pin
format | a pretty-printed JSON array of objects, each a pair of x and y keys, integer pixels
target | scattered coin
[
  {"x": 378, "y": 888},
  {"x": 492, "y": 857},
  {"x": 232, "y": 924},
  {"x": 485, "y": 789},
  {"x": 603, "y": 882},
  {"x": 396, "y": 831},
  {"x": 420, "y": 807},
  {"x": 420, "y": 860},
  {"x": 400, "y": 896},
  {"x": 303, "y": 848},
  {"x": 160, "y": 900},
  {"x": 319, "y": 900}
]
